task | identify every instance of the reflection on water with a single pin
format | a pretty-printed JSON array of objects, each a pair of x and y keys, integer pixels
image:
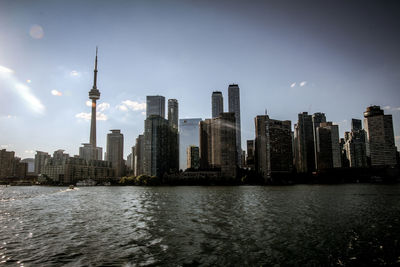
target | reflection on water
[{"x": 247, "y": 225}]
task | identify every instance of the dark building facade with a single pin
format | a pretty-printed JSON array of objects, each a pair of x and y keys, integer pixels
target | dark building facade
[
  {"x": 380, "y": 143},
  {"x": 304, "y": 144},
  {"x": 234, "y": 107},
  {"x": 217, "y": 104}
]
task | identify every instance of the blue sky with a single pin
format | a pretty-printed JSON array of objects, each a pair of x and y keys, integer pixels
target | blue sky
[{"x": 333, "y": 57}]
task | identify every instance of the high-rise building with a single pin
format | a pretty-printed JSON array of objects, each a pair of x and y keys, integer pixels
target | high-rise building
[
  {"x": 380, "y": 137},
  {"x": 86, "y": 152},
  {"x": 234, "y": 106},
  {"x": 280, "y": 138},
  {"x": 223, "y": 144},
  {"x": 356, "y": 125},
  {"x": 317, "y": 118},
  {"x": 250, "y": 154},
  {"x": 139, "y": 156},
  {"x": 155, "y": 105},
  {"x": 273, "y": 146},
  {"x": 188, "y": 136},
  {"x": 173, "y": 135},
  {"x": 323, "y": 147},
  {"x": 205, "y": 143},
  {"x": 115, "y": 152},
  {"x": 160, "y": 147},
  {"x": 217, "y": 103},
  {"x": 354, "y": 146},
  {"x": 173, "y": 113},
  {"x": 31, "y": 165},
  {"x": 334, "y": 145},
  {"x": 40, "y": 160},
  {"x": 304, "y": 144},
  {"x": 193, "y": 159},
  {"x": 262, "y": 146}
]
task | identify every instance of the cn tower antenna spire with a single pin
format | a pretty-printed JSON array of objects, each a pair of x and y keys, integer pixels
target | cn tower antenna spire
[{"x": 95, "y": 71}]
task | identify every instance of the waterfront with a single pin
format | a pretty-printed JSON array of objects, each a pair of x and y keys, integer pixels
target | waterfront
[{"x": 353, "y": 224}]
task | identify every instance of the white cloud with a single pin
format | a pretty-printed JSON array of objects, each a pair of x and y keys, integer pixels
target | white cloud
[
  {"x": 143, "y": 113},
  {"x": 88, "y": 116},
  {"x": 56, "y": 93},
  {"x": 89, "y": 103},
  {"x": 103, "y": 106},
  {"x": 132, "y": 105},
  {"x": 75, "y": 73},
  {"x": 24, "y": 91},
  {"x": 303, "y": 83},
  {"x": 122, "y": 108},
  {"x": 389, "y": 108},
  {"x": 6, "y": 146},
  {"x": 30, "y": 152},
  {"x": 292, "y": 85}
]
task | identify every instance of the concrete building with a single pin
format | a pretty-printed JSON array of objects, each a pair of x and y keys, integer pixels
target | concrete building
[
  {"x": 223, "y": 144},
  {"x": 193, "y": 158},
  {"x": 280, "y": 138},
  {"x": 86, "y": 152},
  {"x": 273, "y": 146},
  {"x": 63, "y": 169},
  {"x": 138, "y": 163},
  {"x": 304, "y": 144},
  {"x": 115, "y": 152},
  {"x": 40, "y": 160},
  {"x": 217, "y": 103},
  {"x": 381, "y": 148},
  {"x": 173, "y": 113},
  {"x": 155, "y": 105},
  {"x": 173, "y": 136},
  {"x": 250, "y": 155},
  {"x": 31, "y": 165},
  {"x": 188, "y": 136},
  {"x": 205, "y": 143},
  {"x": 262, "y": 146},
  {"x": 335, "y": 146},
  {"x": 317, "y": 118},
  {"x": 323, "y": 146},
  {"x": 355, "y": 147},
  {"x": 129, "y": 160},
  {"x": 234, "y": 107}
]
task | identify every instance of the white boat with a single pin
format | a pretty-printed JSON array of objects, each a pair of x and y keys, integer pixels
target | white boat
[{"x": 86, "y": 182}]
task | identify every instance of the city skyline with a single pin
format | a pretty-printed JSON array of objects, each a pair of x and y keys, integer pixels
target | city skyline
[{"x": 46, "y": 94}]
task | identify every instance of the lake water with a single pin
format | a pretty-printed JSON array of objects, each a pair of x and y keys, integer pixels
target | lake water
[{"x": 310, "y": 225}]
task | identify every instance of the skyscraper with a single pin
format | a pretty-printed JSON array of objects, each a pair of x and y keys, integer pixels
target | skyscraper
[
  {"x": 380, "y": 137},
  {"x": 40, "y": 160},
  {"x": 354, "y": 146},
  {"x": 155, "y": 105},
  {"x": 173, "y": 113},
  {"x": 217, "y": 103},
  {"x": 205, "y": 143},
  {"x": 317, "y": 118},
  {"x": 223, "y": 144},
  {"x": 234, "y": 106},
  {"x": 304, "y": 144},
  {"x": 188, "y": 136},
  {"x": 156, "y": 147},
  {"x": 139, "y": 156},
  {"x": 273, "y": 146},
  {"x": 193, "y": 161},
  {"x": 115, "y": 151}
]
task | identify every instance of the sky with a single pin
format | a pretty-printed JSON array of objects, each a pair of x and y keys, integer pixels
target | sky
[{"x": 336, "y": 57}]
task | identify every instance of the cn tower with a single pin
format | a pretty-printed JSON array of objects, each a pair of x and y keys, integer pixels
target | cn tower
[{"x": 94, "y": 95}]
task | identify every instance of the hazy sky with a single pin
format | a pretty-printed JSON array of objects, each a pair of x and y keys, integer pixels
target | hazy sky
[{"x": 336, "y": 57}]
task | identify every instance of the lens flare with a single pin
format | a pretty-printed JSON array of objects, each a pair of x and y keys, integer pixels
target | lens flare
[{"x": 36, "y": 32}]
